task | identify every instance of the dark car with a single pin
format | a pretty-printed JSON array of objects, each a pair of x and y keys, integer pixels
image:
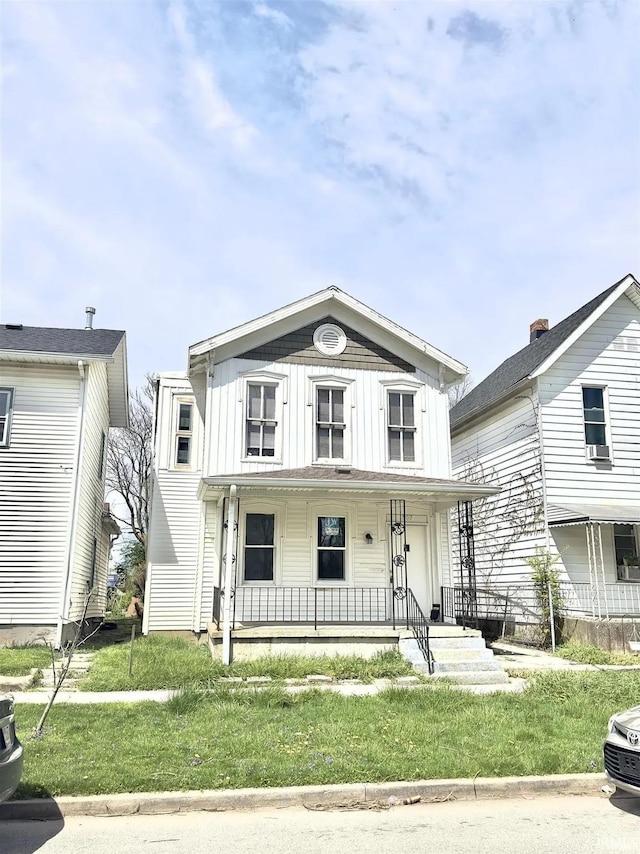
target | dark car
[
  {"x": 10, "y": 750},
  {"x": 622, "y": 750}
]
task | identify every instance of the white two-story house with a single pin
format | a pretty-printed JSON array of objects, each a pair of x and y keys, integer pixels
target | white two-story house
[
  {"x": 302, "y": 473},
  {"x": 60, "y": 391},
  {"x": 557, "y": 427}
]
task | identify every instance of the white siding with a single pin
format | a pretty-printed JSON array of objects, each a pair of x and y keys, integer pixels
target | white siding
[
  {"x": 597, "y": 358},
  {"x": 36, "y": 490},
  {"x": 90, "y": 499},
  {"x": 367, "y": 416},
  {"x": 172, "y": 552},
  {"x": 503, "y": 450}
]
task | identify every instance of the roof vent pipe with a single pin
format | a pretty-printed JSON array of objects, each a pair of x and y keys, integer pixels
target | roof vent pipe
[
  {"x": 90, "y": 312},
  {"x": 538, "y": 328}
]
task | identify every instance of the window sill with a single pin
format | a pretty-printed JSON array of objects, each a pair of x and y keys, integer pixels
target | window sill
[{"x": 271, "y": 461}]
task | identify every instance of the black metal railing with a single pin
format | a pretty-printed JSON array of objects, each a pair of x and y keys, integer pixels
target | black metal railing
[
  {"x": 315, "y": 605},
  {"x": 519, "y": 602},
  {"x": 217, "y": 606},
  {"x": 417, "y": 622}
]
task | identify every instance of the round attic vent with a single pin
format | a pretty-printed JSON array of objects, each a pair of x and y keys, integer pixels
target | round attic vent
[{"x": 329, "y": 339}]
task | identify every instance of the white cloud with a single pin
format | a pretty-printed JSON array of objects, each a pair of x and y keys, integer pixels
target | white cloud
[{"x": 210, "y": 106}]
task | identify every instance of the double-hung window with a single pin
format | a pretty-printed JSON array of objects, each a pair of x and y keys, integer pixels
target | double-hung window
[
  {"x": 593, "y": 405},
  {"x": 401, "y": 426},
  {"x": 184, "y": 433},
  {"x": 6, "y": 409},
  {"x": 261, "y": 420},
  {"x": 330, "y": 423},
  {"x": 259, "y": 546},
  {"x": 331, "y": 548}
]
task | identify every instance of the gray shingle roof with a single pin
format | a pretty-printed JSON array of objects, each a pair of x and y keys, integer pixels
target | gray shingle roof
[
  {"x": 343, "y": 473},
  {"x": 523, "y": 363},
  {"x": 73, "y": 342}
]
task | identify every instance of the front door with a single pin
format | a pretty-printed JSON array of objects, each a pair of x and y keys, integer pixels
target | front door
[{"x": 418, "y": 575}]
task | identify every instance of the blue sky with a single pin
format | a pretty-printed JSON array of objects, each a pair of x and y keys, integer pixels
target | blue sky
[{"x": 464, "y": 168}]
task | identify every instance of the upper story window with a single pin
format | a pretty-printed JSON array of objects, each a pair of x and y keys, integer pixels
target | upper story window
[
  {"x": 6, "y": 410},
  {"x": 330, "y": 423},
  {"x": 261, "y": 420},
  {"x": 184, "y": 433},
  {"x": 401, "y": 426},
  {"x": 595, "y": 429}
]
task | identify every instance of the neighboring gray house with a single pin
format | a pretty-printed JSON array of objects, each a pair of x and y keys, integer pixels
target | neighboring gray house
[
  {"x": 60, "y": 391},
  {"x": 557, "y": 427}
]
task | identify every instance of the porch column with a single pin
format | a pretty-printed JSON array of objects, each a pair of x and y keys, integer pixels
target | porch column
[{"x": 228, "y": 570}]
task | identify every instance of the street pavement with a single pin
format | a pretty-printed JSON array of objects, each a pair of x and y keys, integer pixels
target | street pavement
[{"x": 538, "y": 825}]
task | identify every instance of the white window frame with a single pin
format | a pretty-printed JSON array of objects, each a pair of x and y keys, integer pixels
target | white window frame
[
  {"x": 5, "y": 435},
  {"x": 418, "y": 390},
  {"x": 341, "y": 511},
  {"x": 178, "y": 401},
  {"x": 607, "y": 421},
  {"x": 279, "y": 522},
  {"x": 277, "y": 381},
  {"x": 343, "y": 384},
  {"x": 636, "y": 534}
]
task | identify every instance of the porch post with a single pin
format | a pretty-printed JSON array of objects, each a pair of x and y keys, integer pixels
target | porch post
[
  {"x": 602, "y": 568},
  {"x": 228, "y": 570}
]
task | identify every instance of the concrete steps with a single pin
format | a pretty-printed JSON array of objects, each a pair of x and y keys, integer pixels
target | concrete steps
[{"x": 463, "y": 659}]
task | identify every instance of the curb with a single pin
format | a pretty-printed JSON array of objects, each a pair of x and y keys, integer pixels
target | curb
[{"x": 352, "y": 795}]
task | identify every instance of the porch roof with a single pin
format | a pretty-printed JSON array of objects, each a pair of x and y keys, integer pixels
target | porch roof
[
  {"x": 580, "y": 514},
  {"x": 345, "y": 479}
]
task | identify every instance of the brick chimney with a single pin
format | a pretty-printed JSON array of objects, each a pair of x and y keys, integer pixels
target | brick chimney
[{"x": 538, "y": 328}]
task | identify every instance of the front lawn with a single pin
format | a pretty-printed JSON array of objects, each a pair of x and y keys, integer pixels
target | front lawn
[
  {"x": 20, "y": 660},
  {"x": 271, "y": 738},
  {"x": 162, "y": 662},
  {"x": 585, "y": 654}
]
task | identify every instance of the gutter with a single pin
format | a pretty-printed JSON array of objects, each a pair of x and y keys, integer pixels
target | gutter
[{"x": 73, "y": 522}]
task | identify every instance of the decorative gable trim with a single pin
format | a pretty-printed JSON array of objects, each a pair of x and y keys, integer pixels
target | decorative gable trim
[{"x": 358, "y": 352}]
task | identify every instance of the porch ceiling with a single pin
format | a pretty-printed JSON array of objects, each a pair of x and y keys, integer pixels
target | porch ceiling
[
  {"x": 580, "y": 514},
  {"x": 347, "y": 481}
]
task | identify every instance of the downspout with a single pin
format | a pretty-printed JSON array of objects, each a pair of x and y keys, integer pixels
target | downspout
[
  {"x": 73, "y": 527},
  {"x": 228, "y": 571}
]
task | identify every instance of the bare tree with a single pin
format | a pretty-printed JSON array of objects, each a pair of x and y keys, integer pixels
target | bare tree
[
  {"x": 129, "y": 461},
  {"x": 459, "y": 390}
]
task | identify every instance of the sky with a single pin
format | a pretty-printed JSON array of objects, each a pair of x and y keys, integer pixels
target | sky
[{"x": 462, "y": 167}]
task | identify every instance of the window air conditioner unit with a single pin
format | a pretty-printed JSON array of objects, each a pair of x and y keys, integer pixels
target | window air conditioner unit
[{"x": 599, "y": 452}]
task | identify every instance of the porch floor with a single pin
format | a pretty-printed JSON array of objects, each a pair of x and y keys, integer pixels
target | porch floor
[{"x": 360, "y": 630}]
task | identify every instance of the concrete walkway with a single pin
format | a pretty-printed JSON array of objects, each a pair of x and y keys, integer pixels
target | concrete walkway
[{"x": 522, "y": 658}]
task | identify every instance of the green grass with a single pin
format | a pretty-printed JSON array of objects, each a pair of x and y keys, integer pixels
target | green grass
[
  {"x": 585, "y": 654},
  {"x": 160, "y": 662},
  {"x": 271, "y": 738},
  {"x": 20, "y": 660}
]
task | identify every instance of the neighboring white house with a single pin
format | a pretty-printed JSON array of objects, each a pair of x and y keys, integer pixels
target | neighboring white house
[
  {"x": 557, "y": 427},
  {"x": 60, "y": 391},
  {"x": 309, "y": 434}
]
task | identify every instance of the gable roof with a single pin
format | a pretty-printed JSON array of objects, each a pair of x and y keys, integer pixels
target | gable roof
[
  {"x": 339, "y": 305},
  {"x": 537, "y": 356},
  {"x": 43, "y": 344}
]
